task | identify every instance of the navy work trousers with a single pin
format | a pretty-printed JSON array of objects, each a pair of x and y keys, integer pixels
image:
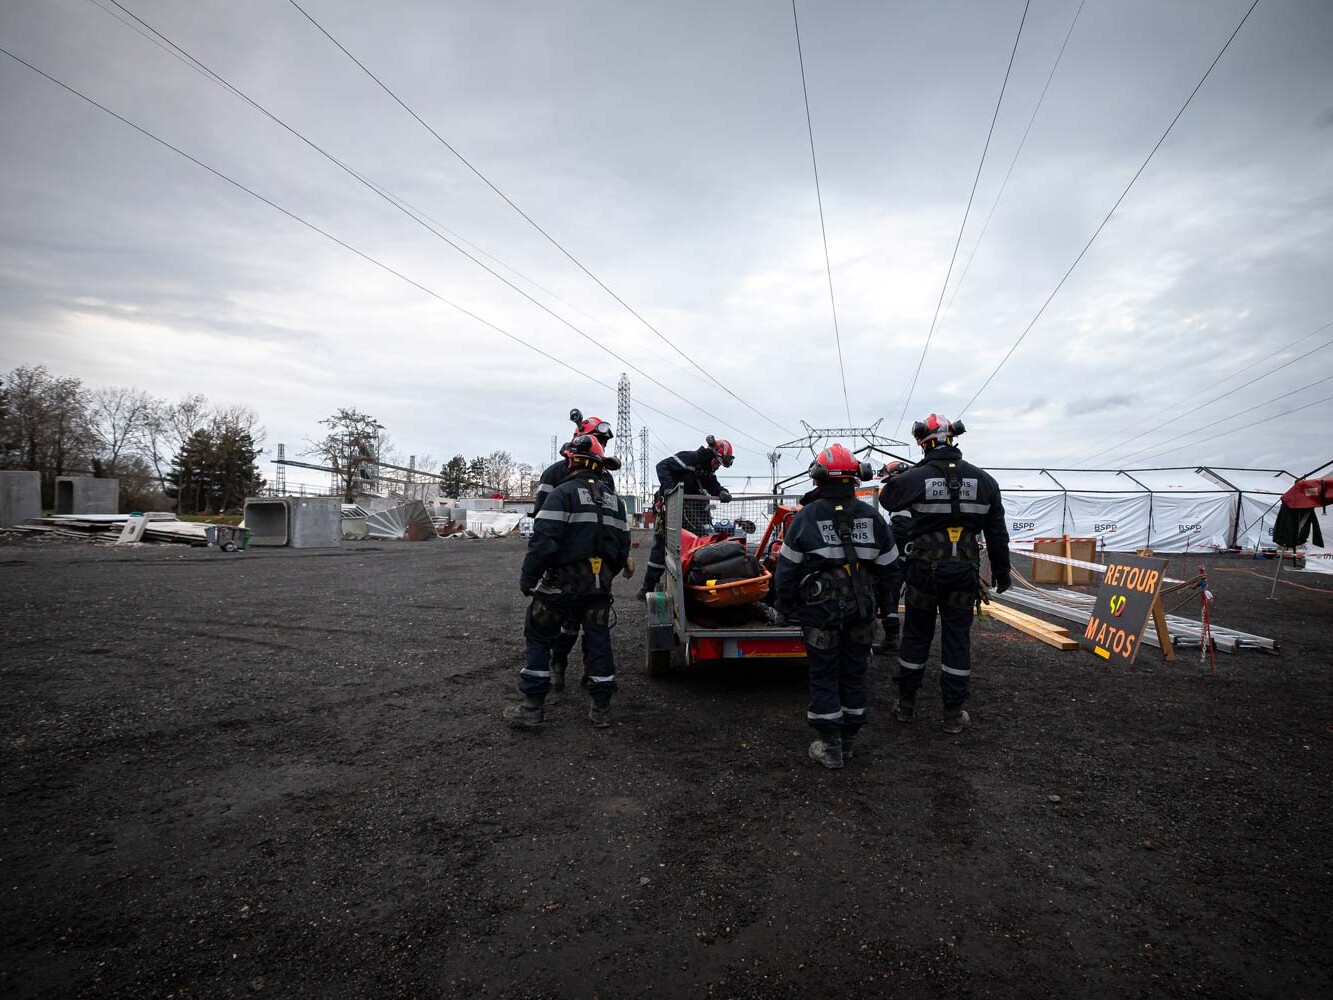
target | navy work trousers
[
  {"x": 837, "y": 659},
  {"x": 548, "y": 616},
  {"x": 948, "y": 589}
]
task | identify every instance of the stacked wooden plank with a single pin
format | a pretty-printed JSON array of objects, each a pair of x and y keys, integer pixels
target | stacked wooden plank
[{"x": 1040, "y": 629}]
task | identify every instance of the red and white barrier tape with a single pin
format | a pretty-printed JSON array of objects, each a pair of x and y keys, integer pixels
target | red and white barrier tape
[{"x": 1095, "y": 567}]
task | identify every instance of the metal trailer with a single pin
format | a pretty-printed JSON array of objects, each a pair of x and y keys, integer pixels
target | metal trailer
[{"x": 673, "y": 641}]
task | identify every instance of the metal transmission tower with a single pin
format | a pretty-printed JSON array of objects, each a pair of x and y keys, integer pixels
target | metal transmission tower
[
  {"x": 625, "y": 437},
  {"x": 645, "y": 491},
  {"x": 774, "y": 457},
  {"x": 555, "y": 447},
  {"x": 280, "y": 475},
  {"x": 815, "y": 437}
]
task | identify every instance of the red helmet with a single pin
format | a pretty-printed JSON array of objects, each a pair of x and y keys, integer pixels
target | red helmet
[
  {"x": 722, "y": 450},
  {"x": 597, "y": 427},
  {"x": 936, "y": 429},
  {"x": 837, "y": 462},
  {"x": 585, "y": 452},
  {"x": 892, "y": 470}
]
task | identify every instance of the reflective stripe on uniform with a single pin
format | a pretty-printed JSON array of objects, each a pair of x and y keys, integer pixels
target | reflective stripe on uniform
[
  {"x": 535, "y": 673},
  {"x": 829, "y": 717},
  {"x": 791, "y": 554},
  {"x": 544, "y": 488},
  {"x": 911, "y": 666},
  {"x": 853, "y": 711},
  {"x": 613, "y": 520},
  {"x": 955, "y": 671},
  {"x": 676, "y": 459},
  {"x": 601, "y": 680},
  {"x": 888, "y": 558},
  {"x": 964, "y": 507},
  {"x": 654, "y": 565}
]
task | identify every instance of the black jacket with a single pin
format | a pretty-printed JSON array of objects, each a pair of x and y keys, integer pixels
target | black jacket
[
  {"x": 925, "y": 491},
  {"x": 554, "y": 475},
  {"x": 580, "y": 539},
  {"x": 816, "y": 583},
  {"x": 691, "y": 469}
]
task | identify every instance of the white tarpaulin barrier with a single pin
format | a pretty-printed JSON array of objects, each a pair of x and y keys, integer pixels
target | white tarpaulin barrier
[
  {"x": 1320, "y": 560},
  {"x": 1191, "y": 522},
  {"x": 491, "y": 522},
  {"x": 1119, "y": 521},
  {"x": 1033, "y": 515},
  {"x": 1257, "y": 514}
]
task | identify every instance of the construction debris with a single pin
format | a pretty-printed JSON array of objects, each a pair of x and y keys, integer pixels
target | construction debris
[
  {"x": 409, "y": 522},
  {"x": 155, "y": 526}
]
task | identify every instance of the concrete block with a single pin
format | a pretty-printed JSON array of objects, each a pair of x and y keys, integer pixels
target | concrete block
[
  {"x": 20, "y": 497},
  {"x": 267, "y": 521},
  {"x": 86, "y": 495},
  {"x": 133, "y": 531},
  {"x": 314, "y": 522}
]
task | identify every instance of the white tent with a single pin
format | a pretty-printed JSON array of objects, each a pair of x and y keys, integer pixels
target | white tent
[{"x": 1167, "y": 510}]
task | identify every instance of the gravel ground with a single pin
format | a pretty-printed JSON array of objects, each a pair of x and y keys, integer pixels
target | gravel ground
[{"x": 282, "y": 773}]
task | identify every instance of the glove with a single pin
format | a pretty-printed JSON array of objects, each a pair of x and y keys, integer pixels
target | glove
[
  {"x": 628, "y": 571},
  {"x": 1003, "y": 581},
  {"x": 527, "y": 589},
  {"x": 724, "y": 496}
]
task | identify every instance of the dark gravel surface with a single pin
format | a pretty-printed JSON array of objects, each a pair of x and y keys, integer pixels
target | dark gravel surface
[{"x": 282, "y": 774}]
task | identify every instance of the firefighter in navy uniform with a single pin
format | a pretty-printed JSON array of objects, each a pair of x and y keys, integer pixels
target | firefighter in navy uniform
[
  {"x": 696, "y": 473},
  {"x": 580, "y": 541},
  {"x": 551, "y": 477},
  {"x": 901, "y": 522},
  {"x": 952, "y": 502},
  {"x": 837, "y": 556}
]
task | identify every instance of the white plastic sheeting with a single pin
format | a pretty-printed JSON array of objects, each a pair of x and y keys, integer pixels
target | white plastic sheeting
[
  {"x": 1119, "y": 521},
  {"x": 1033, "y": 515},
  {"x": 1191, "y": 522},
  {"x": 1320, "y": 560},
  {"x": 492, "y": 522}
]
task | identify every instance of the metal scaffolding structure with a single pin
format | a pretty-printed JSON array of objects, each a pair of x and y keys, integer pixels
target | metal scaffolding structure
[
  {"x": 862, "y": 441},
  {"x": 645, "y": 484}
]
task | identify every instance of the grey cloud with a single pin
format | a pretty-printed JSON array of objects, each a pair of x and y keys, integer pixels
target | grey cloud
[{"x": 1100, "y": 404}]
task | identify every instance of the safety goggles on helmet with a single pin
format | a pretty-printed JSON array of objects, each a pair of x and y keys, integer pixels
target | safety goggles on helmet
[
  {"x": 936, "y": 429},
  {"x": 892, "y": 470},
  {"x": 722, "y": 450}
]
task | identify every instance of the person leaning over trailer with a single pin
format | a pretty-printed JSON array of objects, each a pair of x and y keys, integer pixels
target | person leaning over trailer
[
  {"x": 837, "y": 556},
  {"x": 580, "y": 541},
  {"x": 900, "y": 521},
  {"x": 696, "y": 473},
  {"x": 952, "y": 502},
  {"x": 553, "y": 475}
]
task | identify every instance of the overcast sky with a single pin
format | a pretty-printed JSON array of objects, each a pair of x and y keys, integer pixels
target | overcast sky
[{"x": 664, "y": 144}]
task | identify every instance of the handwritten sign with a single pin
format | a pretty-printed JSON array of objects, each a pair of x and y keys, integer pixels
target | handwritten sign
[{"x": 1123, "y": 606}]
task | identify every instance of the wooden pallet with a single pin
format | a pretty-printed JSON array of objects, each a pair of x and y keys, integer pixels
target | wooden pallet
[{"x": 1038, "y": 628}]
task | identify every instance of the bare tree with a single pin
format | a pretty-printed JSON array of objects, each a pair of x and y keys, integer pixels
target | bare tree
[
  {"x": 46, "y": 425},
  {"x": 351, "y": 447},
  {"x": 117, "y": 419}
]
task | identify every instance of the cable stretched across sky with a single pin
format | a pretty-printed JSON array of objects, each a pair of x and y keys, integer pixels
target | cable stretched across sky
[
  {"x": 1102, "y": 225},
  {"x": 967, "y": 266},
  {"x": 335, "y": 239},
  {"x": 527, "y": 218},
  {"x": 424, "y": 224},
  {"x": 911, "y": 389},
  {"x": 819, "y": 199}
]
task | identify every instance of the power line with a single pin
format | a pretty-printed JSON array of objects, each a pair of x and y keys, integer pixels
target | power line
[
  {"x": 907, "y": 401},
  {"x": 329, "y": 236},
  {"x": 1012, "y": 163},
  {"x": 1256, "y": 423},
  {"x": 401, "y": 207},
  {"x": 819, "y": 198},
  {"x": 1102, "y": 224},
  {"x": 1226, "y": 419},
  {"x": 532, "y": 222},
  {"x": 1224, "y": 395}
]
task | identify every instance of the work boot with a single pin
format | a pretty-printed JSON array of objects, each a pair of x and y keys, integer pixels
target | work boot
[
  {"x": 848, "y": 745},
  {"x": 827, "y": 752},
  {"x": 599, "y": 715},
  {"x": 955, "y": 720},
  {"x": 905, "y": 709},
  {"x": 527, "y": 715},
  {"x": 558, "y": 667},
  {"x": 890, "y": 643}
]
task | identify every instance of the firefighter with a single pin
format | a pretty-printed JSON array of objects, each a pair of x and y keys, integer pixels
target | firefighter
[
  {"x": 837, "y": 555},
  {"x": 580, "y": 541},
  {"x": 696, "y": 473},
  {"x": 952, "y": 502},
  {"x": 900, "y": 521},
  {"x": 553, "y": 476}
]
